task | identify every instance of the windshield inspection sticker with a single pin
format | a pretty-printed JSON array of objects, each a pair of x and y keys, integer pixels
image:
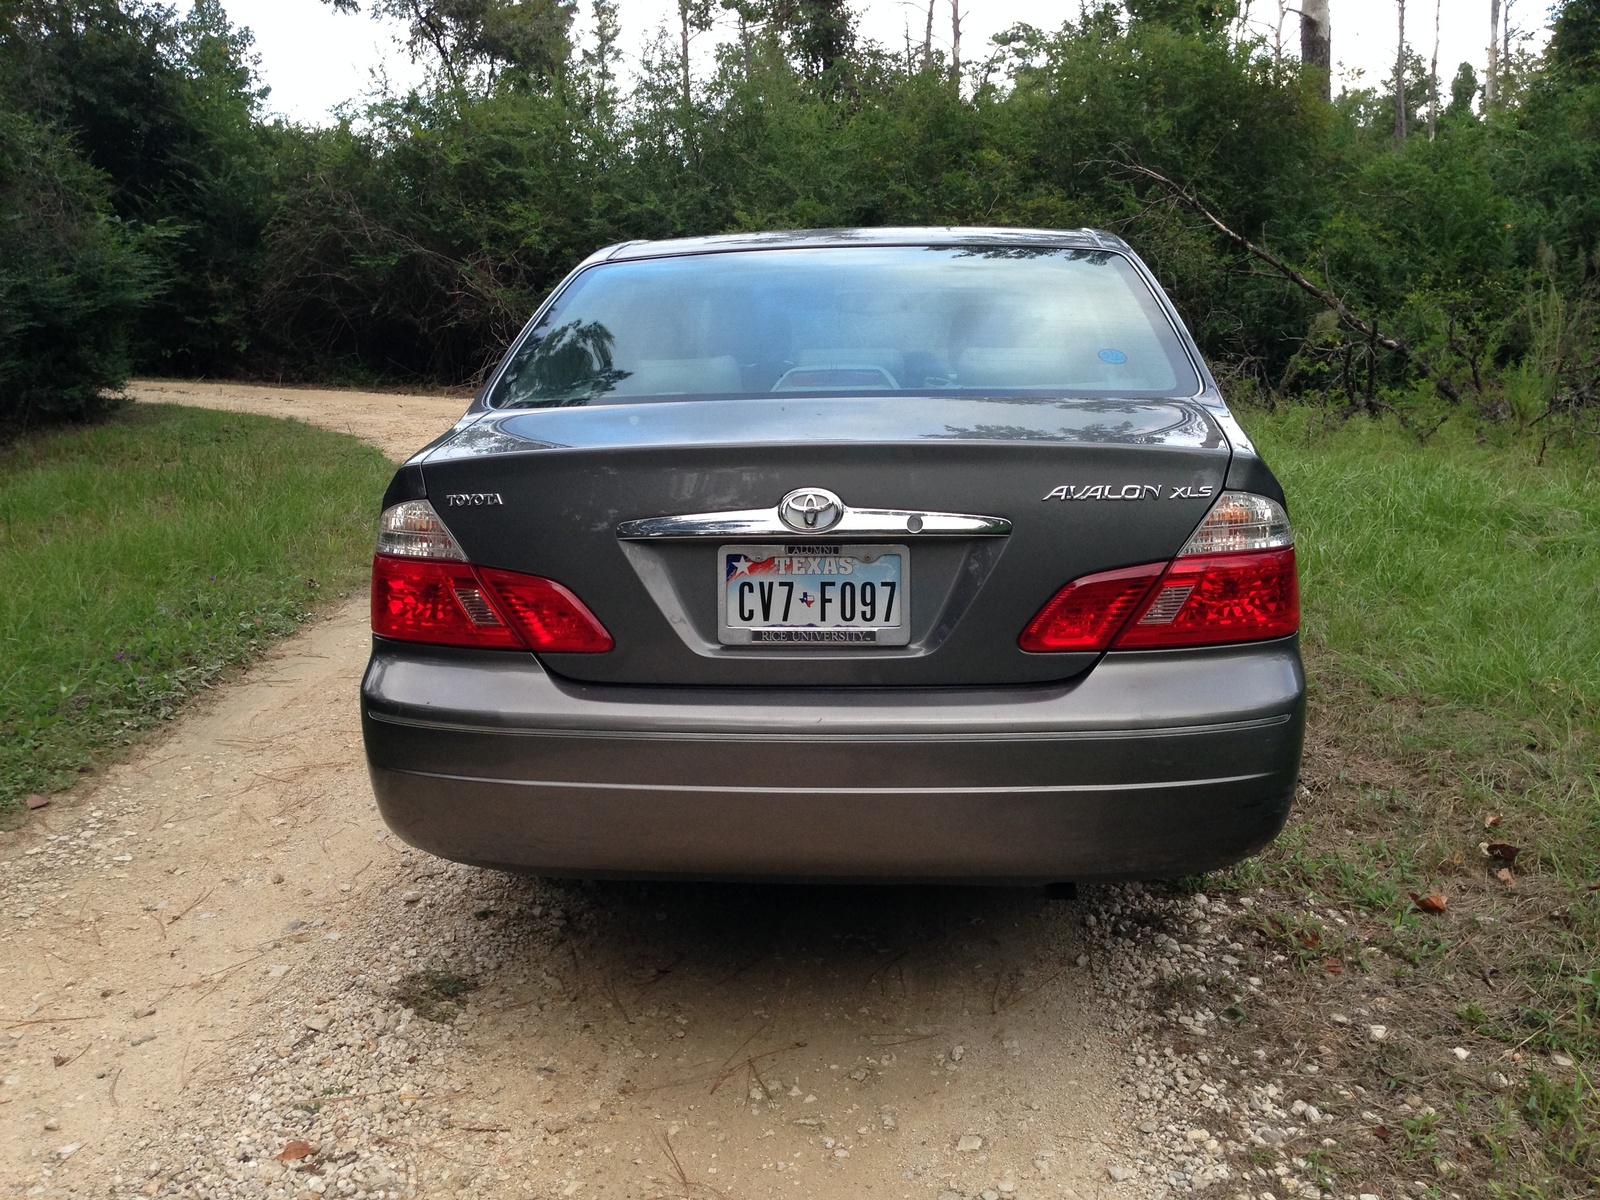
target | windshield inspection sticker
[
  {"x": 1114, "y": 357},
  {"x": 1127, "y": 491}
]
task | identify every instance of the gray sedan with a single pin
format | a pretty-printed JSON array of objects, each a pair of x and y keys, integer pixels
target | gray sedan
[{"x": 890, "y": 554}]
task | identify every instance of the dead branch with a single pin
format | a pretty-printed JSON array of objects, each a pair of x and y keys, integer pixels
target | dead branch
[{"x": 1367, "y": 329}]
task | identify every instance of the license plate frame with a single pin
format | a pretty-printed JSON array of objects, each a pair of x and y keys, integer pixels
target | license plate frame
[{"x": 733, "y": 630}]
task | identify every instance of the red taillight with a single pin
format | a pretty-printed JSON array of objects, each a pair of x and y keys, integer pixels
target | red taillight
[
  {"x": 457, "y": 604},
  {"x": 1233, "y": 581},
  {"x": 424, "y": 600},
  {"x": 547, "y": 614},
  {"x": 1213, "y": 599},
  {"x": 1086, "y": 614}
]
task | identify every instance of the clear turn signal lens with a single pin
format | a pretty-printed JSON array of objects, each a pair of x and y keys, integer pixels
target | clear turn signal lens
[
  {"x": 412, "y": 529},
  {"x": 1240, "y": 521}
]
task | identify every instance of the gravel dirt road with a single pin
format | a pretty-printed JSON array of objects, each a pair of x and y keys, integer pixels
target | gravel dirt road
[{"x": 221, "y": 976}]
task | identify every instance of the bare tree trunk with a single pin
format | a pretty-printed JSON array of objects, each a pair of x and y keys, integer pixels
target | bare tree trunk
[
  {"x": 683, "y": 28},
  {"x": 1316, "y": 41},
  {"x": 1400, "y": 78},
  {"x": 1505, "y": 48},
  {"x": 1491, "y": 82},
  {"x": 955, "y": 41},
  {"x": 1433, "y": 75},
  {"x": 927, "y": 39}
]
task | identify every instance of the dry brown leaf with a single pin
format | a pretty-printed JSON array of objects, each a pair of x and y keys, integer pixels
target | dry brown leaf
[
  {"x": 294, "y": 1151},
  {"x": 1433, "y": 902},
  {"x": 1490, "y": 820},
  {"x": 1506, "y": 877},
  {"x": 1504, "y": 851}
]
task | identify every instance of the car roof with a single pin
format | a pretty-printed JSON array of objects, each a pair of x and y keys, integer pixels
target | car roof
[{"x": 909, "y": 235}]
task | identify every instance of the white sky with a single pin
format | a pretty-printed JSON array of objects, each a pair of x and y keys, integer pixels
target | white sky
[{"x": 315, "y": 59}]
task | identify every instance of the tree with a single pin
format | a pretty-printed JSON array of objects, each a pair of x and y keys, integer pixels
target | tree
[
  {"x": 819, "y": 34},
  {"x": 694, "y": 18},
  {"x": 600, "y": 63},
  {"x": 1316, "y": 42},
  {"x": 519, "y": 43},
  {"x": 168, "y": 110},
  {"x": 1463, "y": 92},
  {"x": 1433, "y": 75},
  {"x": 955, "y": 41},
  {"x": 1400, "y": 77},
  {"x": 1186, "y": 16},
  {"x": 72, "y": 281},
  {"x": 1491, "y": 82},
  {"x": 1575, "y": 39}
]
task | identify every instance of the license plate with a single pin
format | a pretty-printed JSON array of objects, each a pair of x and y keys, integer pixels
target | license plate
[{"x": 814, "y": 594}]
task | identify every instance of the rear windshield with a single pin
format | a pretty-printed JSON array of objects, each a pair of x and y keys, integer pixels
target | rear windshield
[{"x": 850, "y": 321}]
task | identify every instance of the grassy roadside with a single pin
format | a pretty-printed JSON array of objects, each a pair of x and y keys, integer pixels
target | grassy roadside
[
  {"x": 1452, "y": 634},
  {"x": 145, "y": 556}
]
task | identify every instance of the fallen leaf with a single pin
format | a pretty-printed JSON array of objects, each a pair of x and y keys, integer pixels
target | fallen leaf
[
  {"x": 1433, "y": 902},
  {"x": 294, "y": 1151},
  {"x": 1490, "y": 820},
  {"x": 1333, "y": 966},
  {"x": 1506, "y": 877},
  {"x": 37, "y": 801},
  {"x": 1502, "y": 850},
  {"x": 1381, "y": 1132}
]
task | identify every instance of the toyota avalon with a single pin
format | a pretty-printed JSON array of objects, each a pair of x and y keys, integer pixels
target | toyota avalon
[{"x": 888, "y": 554}]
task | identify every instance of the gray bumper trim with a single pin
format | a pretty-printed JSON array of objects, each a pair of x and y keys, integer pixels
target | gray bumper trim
[
  {"x": 766, "y": 790},
  {"x": 809, "y": 738}
]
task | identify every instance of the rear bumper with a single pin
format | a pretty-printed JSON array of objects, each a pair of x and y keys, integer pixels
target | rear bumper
[{"x": 1153, "y": 765}]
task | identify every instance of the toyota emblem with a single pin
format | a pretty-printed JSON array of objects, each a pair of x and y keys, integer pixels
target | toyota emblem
[{"x": 811, "y": 510}]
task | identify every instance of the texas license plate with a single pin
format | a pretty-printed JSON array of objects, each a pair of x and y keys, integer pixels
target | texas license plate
[{"x": 814, "y": 594}]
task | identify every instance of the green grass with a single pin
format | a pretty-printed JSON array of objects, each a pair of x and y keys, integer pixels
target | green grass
[
  {"x": 144, "y": 557},
  {"x": 1451, "y": 599},
  {"x": 1459, "y": 572},
  {"x": 1452, "y": 605}
]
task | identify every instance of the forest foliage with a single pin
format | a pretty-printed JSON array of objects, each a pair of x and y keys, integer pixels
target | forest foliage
[{"x": 155, "y": 218}]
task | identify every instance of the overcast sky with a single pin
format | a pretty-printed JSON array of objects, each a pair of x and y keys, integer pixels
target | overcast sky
[{"x": 315, "y": 59}]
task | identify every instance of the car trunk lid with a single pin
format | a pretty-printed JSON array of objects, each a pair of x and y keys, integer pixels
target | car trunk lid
[{"x": 1071, "y": 486}]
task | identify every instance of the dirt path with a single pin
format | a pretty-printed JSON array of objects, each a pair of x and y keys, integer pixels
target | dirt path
[
  {"x": 396, "y": 424},
  {"x": 217, "y": 969}
]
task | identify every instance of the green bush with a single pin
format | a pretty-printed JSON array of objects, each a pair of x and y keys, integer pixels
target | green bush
[{"x": 73, "y": 281}]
